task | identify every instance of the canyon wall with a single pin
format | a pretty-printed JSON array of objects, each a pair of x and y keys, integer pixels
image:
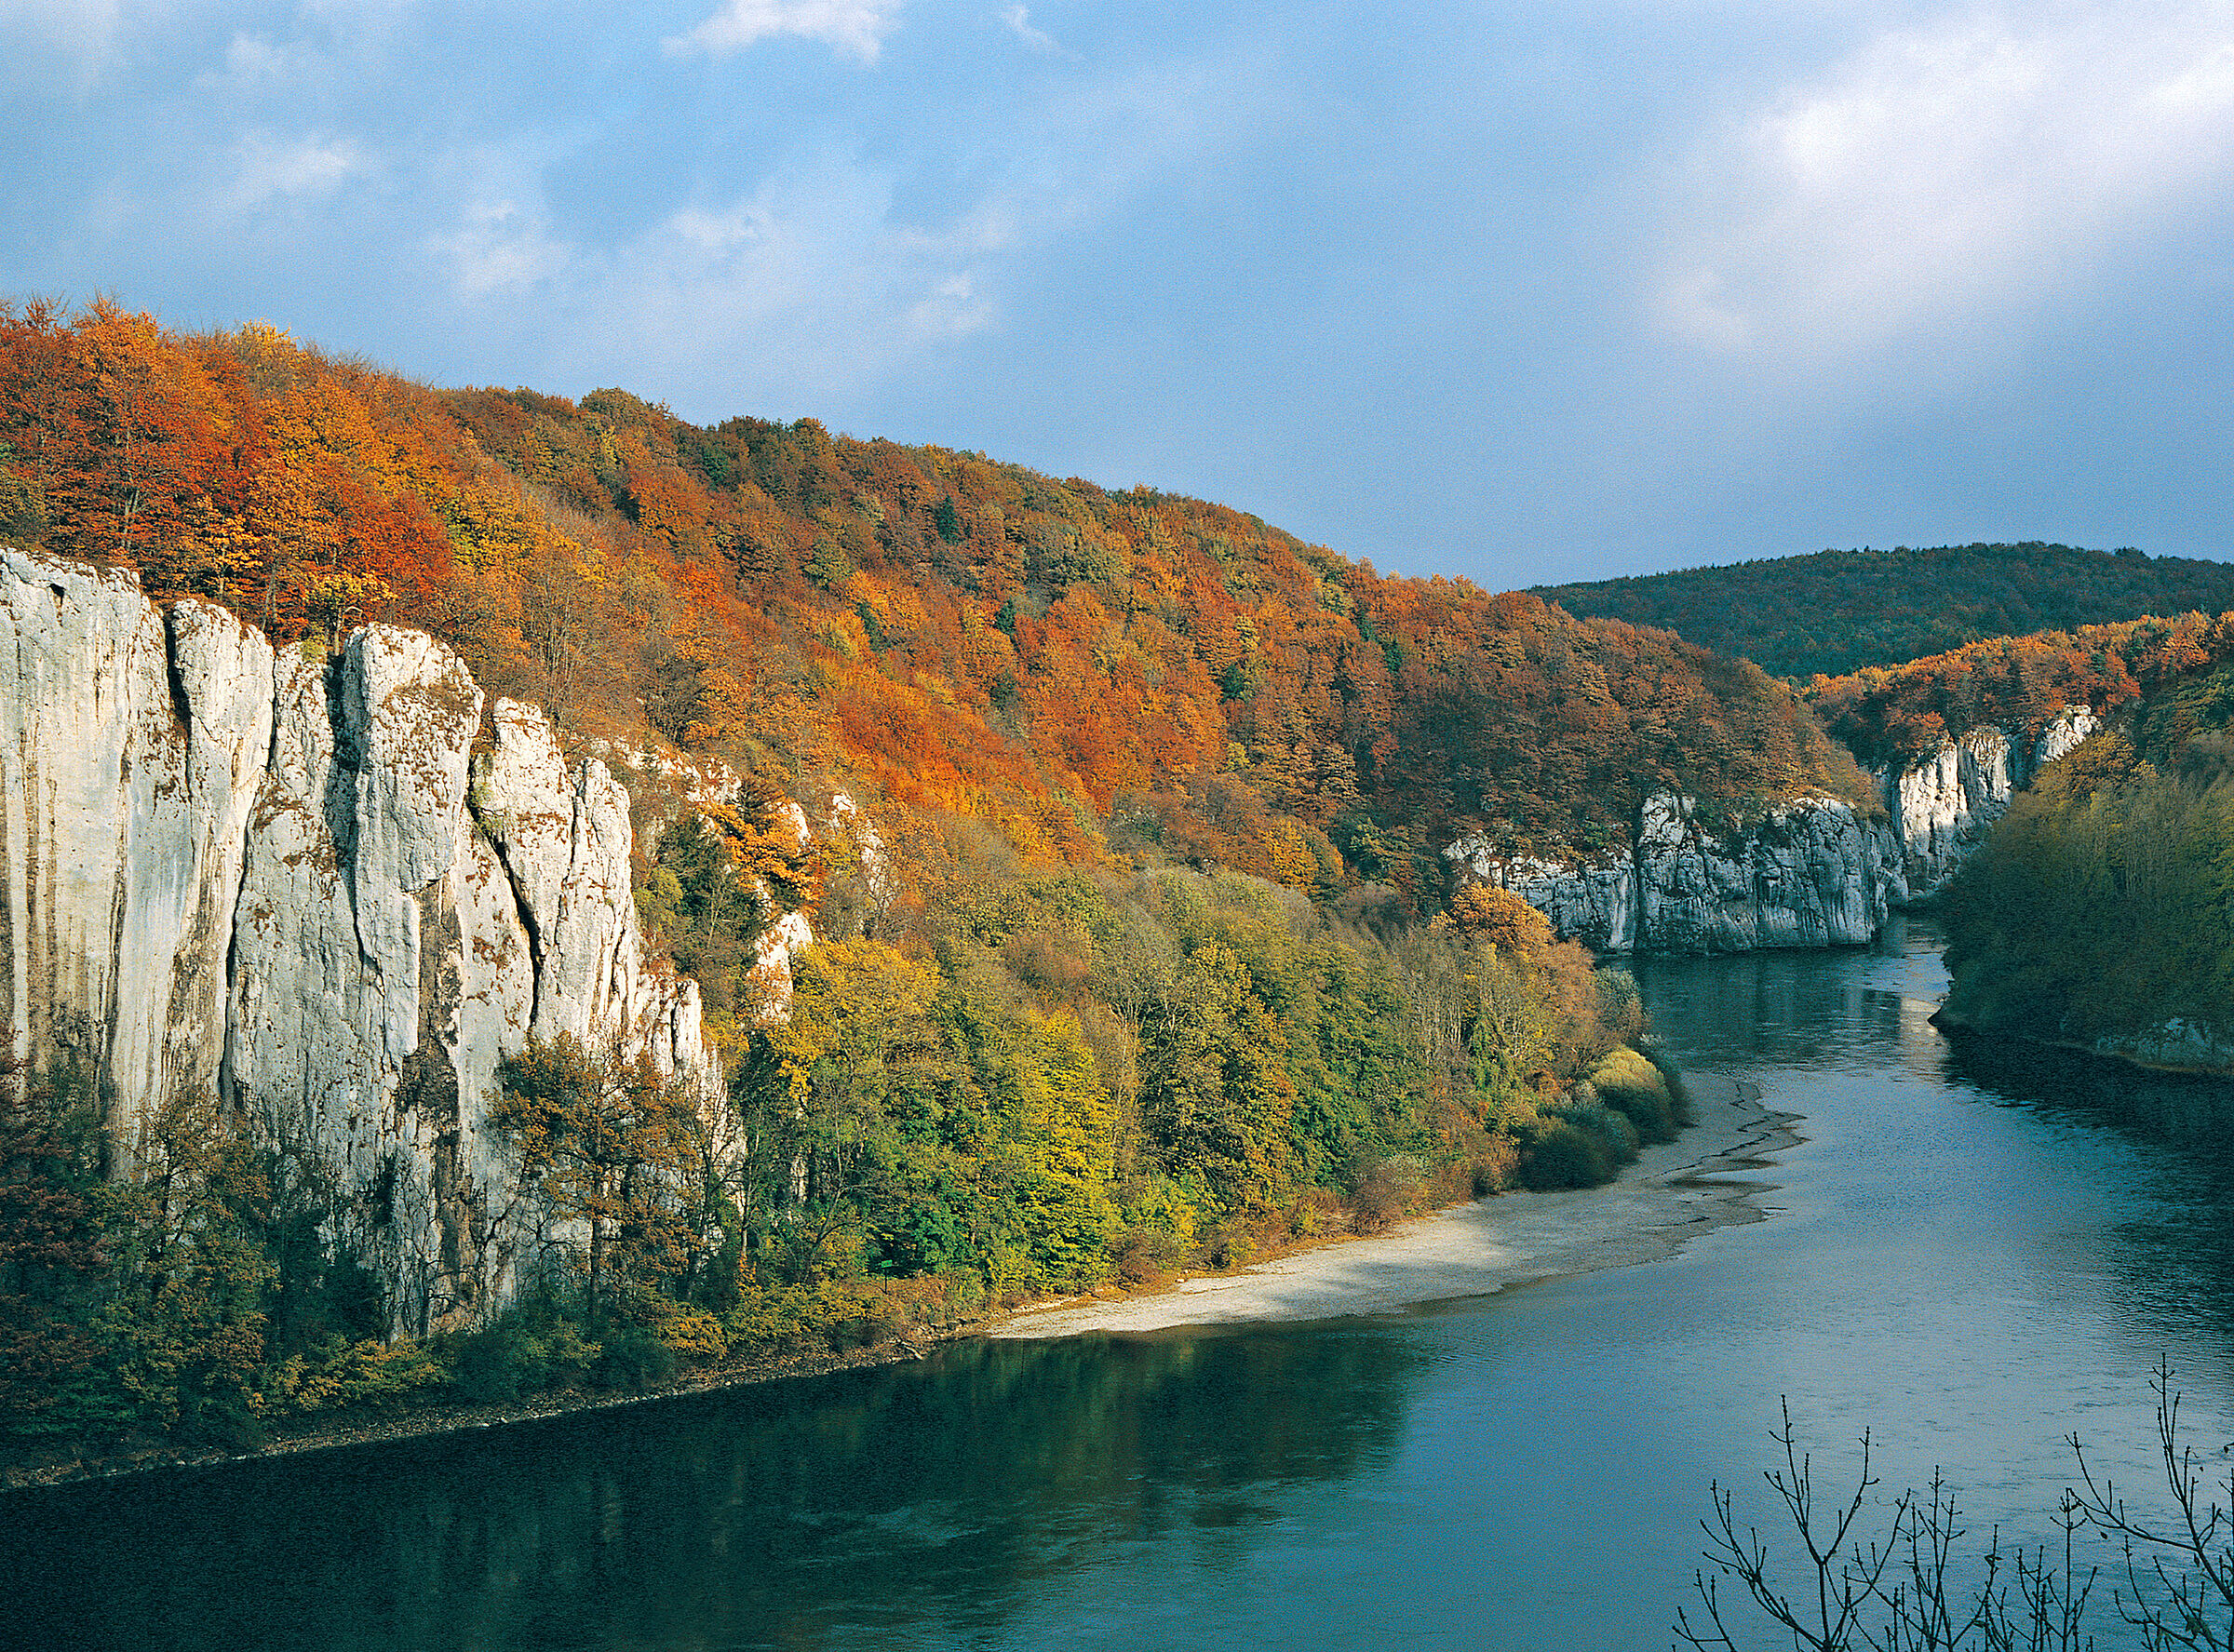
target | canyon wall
[
  {"x": 1811, "y": 872},
  {"x": 1941, "y": 805},
  {"x": 334, "y": 892}
]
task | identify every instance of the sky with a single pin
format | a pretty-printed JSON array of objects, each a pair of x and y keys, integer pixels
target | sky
[{"x": 1523, "y": 293}]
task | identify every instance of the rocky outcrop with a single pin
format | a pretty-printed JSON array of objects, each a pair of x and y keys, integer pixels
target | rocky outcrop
[
  {"x": 292, "y": 879},
  {"x": 1811, "y": 872},
  {"x": 1941, "y": 805}
]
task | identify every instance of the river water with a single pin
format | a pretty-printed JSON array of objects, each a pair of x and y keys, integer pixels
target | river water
[{"x": 1968, "y": 1256}]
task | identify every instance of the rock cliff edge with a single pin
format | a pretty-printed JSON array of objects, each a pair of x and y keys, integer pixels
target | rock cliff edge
[{"x": 337, "y": 893}]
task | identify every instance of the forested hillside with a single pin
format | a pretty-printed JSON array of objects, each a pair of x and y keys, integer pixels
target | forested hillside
[
  {"x": 1837, "y": 612},
  {"x": 2099, "y": 907},
  {"x": 1893, "y": 715},
  {"x": 1136, "y": 950},
  {"x": 953, "y": 634}
]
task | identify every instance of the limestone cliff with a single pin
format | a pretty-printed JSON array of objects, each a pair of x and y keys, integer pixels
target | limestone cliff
[
  {"x": 1941, "y": 804},
  {"x": 292, "y": 879},
  {"x": 1811, "y": 872}
]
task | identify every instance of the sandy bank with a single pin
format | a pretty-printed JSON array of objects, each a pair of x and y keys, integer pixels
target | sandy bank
[{"x": 1673, "y": 1192}]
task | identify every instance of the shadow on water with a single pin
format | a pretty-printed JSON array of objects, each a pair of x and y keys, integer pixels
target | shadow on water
[
  {"x": 2189, "y": 1112},
  {"x": 882, "y": 1505},
  {"x": 2174, "y": 1252}
]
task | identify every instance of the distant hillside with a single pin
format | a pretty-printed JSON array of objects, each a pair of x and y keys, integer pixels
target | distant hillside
[
  {"x": 1840, "y": 611},
  {"x": 1088, "y": 673},
  {"x": 1895, "y": 714}
]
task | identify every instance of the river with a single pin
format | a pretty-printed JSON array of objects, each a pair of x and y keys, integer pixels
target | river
[{"x": 1968, "y": 1254}]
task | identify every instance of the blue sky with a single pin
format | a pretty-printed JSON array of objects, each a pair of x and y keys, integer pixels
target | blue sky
[{"x": 1523, "y": 293}]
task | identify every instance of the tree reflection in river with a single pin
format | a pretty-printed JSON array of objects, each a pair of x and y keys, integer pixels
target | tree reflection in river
[
  {"x": 2174, "y": 1255},
  {"x": 933, "y": 1496}
]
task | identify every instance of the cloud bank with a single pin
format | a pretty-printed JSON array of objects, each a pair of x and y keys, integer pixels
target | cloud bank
[
  {"x": 854, "y": 27},
  {"x": 1965, "y": 170}
]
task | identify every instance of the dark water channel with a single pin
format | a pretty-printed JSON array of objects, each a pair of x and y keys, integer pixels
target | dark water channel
[{"x": 1971, "y": 1256}]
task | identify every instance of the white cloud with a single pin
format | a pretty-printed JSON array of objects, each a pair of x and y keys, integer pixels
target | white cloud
[
  {"x": 1018, "y": 19},
  {"x": 1951, "y": 176},
  {"x": 808, "y": 279},
  {"x": 854, "y": 27},
  {"x": 269, "y": 168},
  {"x": 82, "y": 32},
  {"x": 258, "y": 67},
  {"x": 815, "y": 280},
  {"x": 499, "y": 250}
]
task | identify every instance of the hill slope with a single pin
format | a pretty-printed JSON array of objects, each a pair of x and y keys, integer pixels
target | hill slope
[
  {"x": 1105, "y": 978},
  {"x": 1840, "y": 611},
  {"x": 1087, "y": 672}
]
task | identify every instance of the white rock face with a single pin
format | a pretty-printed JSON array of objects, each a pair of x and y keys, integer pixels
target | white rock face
[
  {"x": 1812, "y": 873},
  {"x": 122, "y": 809},
  {"x": 774, "y": 954},
  {"x": 1942, "y": 804},
  {"x": 281, "y": 878}
]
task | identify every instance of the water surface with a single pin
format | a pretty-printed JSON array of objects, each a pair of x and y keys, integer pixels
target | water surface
[{"x": 1970, "y": 1253}]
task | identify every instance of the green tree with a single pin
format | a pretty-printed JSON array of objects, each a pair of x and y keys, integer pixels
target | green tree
[
  {"x": 185, "y": 1317},
  {"x": 610, "y": 1144},
  {"x": 1216, "y": 1097},
  {"x": 53, "y": 1272}
]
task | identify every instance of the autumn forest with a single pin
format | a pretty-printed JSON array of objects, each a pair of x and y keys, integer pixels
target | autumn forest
[{"x": 1148, "y": 962}]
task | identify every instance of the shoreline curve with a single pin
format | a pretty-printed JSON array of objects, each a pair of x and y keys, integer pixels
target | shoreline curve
[{"x": 1671, "y": 1192}]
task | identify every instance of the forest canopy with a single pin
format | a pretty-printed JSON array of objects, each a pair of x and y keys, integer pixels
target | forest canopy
[
  {"x": 1837, "y": 612},
  {"x": 1887, "y": 716},
  {"x": 1132, "y": 947},
  {"x": 942, "y": 631}
]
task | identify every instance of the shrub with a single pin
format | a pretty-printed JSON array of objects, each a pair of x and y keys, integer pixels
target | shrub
[
  {"x": 1383, "y": 1190},
  {"x": 374, "y": 1375},
  {"x": 1228, "y": 1246},
  {"x": 1586, "y": 1112},
  {"x": 1630, "y": 1082},
  {"x": 695, "y": 1336},
  {"x": 633, "y": 1358},
  {"x": 1558, "y": 1154},
  {"x": 499, "y": 1364},
  {"x": 1141, "y": 1253}
]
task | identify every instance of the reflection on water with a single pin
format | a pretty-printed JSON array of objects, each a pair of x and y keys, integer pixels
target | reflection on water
[
  {"x": 2175, "y": 1253},
  {"x": 777, "y": 1516},
  {"x": 1971, "y": 1251}
]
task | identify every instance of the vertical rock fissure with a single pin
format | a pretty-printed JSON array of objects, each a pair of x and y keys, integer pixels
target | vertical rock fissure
[
  {"x": 181, "y": 705},
  {"x": 532, "y": 930},
  {"x": 105, "y": 1029},
  {"x": 228, "y": 1090},
  {"x": 338, "y": 803}
]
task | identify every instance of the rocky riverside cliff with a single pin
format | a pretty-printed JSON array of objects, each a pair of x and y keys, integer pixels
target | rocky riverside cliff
[
  {"x": 1812, "y": 871},
  {"x": 335, "y": 892},
  {"x": 1941, "y": 804}
]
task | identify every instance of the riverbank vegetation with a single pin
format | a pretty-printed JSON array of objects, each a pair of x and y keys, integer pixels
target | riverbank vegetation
[
  {"x": 1033, "y": 1083},
  {"x": 2097, "y": 908}
]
